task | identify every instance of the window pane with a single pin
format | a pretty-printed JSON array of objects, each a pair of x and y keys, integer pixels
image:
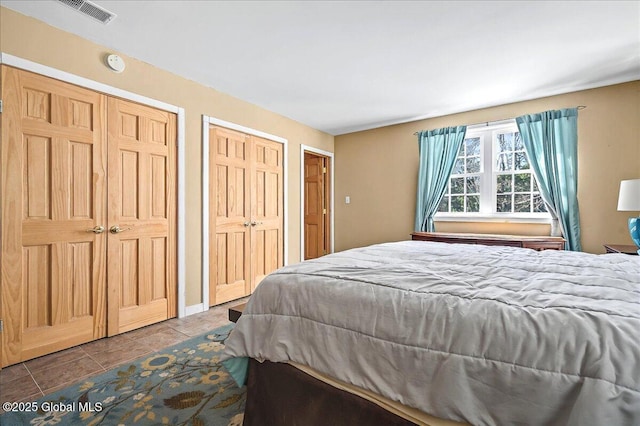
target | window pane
[
  {"x": 505, "y": 142},
  {"x": 511, "y": 173},
  {"x": 444, "y": 204},
  {"x": 473, "y": 164},
  {"x": 473, "y": 185},
  {"x": 521, "y": 161},
  {"x": 473, "y": 203},
  {"x": 457, "y": 185},
  {"x": 503, "y": 204},
  {"x": 518, "y": 145},
  {"x": 522, "y": 182},
  {"x": 457, "y": 203},
  {"x": 473, "y": 146},
  {"x": 522, "y": 203},
  {"x": 503, "y": 184},
  {"x": 535, "y": 184},
  {"x": 538, "y": 204},
  {"x": 505, "y": 162},
  {"x": 458, "y": 167}
]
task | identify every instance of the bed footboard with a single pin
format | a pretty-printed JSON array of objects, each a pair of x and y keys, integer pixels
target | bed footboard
[{"x": 281, "y": 395}]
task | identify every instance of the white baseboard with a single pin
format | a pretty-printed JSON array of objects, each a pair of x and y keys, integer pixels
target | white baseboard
[{"x": 194, "y": 309}]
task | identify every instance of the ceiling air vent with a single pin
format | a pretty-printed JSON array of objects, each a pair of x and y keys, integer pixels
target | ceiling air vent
[{"x": 90, "y": 9}]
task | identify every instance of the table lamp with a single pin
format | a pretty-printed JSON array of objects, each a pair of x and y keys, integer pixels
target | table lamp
[{"x": 629, "y": 200}]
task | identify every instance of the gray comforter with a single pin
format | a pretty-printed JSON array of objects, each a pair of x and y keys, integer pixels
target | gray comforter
[{"x": 487, "y": 335}]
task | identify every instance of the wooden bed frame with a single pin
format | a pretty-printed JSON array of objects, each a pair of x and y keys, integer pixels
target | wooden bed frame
[{"x": 281, "y": 395}]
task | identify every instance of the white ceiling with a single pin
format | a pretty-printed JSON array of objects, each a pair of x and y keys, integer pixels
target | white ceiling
[{"x": 343, "y": 66}]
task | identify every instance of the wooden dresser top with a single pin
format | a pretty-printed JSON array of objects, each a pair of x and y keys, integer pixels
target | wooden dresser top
[{"x": 496, "y": 237}]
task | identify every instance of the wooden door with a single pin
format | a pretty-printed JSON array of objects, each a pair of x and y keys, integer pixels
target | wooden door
[
  {"x": 141, "y": 216},
  {"x": 53, "y": 195},
  {"x": 230, "y": 215},
  {"x": 266, "y": 208},
  {"x": 315, "y": 206}
]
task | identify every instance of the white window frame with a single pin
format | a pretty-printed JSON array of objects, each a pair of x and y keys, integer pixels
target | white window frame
[{"x": 488, "y": 171}]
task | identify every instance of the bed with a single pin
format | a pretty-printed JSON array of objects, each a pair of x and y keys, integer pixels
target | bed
[{"x": 454, "y": 332}]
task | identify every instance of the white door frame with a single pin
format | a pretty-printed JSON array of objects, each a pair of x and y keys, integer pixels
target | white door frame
[
  {"x": 206, "y": 121},
  {"x": 47, "y": 71},
  {"x": 303, "y": 149}
]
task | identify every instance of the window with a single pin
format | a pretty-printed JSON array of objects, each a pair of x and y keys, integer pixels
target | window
[{"x": 492, "y": 177}]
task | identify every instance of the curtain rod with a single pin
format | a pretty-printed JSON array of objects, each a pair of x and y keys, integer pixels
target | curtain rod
[{"x": 496, "y": 122}]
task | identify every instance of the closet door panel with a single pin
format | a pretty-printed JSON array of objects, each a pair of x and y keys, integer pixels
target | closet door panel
[
  {"x": 229, "y": 221},
  {"x": 141, "y": 213},
  {"x": 53, "y": 192},
  {"x": 267, "y": 208}
]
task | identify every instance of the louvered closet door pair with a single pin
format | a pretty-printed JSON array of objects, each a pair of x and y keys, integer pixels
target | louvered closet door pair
[
  {"x": 246, "y": 212},
  {"x": 88, "y": 215}
]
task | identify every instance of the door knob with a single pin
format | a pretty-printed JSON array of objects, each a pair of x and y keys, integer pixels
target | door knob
[
  {"x": 254, "y": 223},
  {"x": 115, "y": 229},
  {"x": 96, "y": 229},
  {"x": 246, "y": 223}
]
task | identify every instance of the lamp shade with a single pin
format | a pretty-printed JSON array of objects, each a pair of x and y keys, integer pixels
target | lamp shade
[{"x": 629, "y": 198}]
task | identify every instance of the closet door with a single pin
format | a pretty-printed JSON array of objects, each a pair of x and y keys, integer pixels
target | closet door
[
  {"x": 53, "y": 215},
  {"x": 230, "y": 215},
  {"x": 141, "y": 216},
  {"x": 266, "y": 208},
  {"x": 246, "y": 196}
]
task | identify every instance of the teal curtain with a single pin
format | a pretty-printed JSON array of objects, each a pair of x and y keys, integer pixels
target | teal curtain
[
  {"x": 438, "y": 150},
  {"x": 551, "y": 141}
]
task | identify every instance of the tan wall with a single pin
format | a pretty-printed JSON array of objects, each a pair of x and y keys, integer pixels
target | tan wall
[
  {"x": 30, "y": 39},
  {"x": 378, "y": 169}
]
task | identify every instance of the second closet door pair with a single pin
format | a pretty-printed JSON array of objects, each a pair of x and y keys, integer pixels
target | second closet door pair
[{"x": 246, "y": 213}]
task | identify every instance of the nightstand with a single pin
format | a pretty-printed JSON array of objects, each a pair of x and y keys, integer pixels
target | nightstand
[{"x": 621, "y": 248}]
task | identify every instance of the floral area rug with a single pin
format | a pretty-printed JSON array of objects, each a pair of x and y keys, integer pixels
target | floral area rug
[{"x": 181, "y": 385}]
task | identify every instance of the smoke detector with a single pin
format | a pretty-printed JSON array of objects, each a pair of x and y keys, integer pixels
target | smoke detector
[
  {"x": 90, "y": 9},
  {"x": 115, "y": 63}
]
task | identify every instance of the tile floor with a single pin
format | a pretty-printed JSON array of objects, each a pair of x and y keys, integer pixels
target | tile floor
[{"x": 35, "y": 378}]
